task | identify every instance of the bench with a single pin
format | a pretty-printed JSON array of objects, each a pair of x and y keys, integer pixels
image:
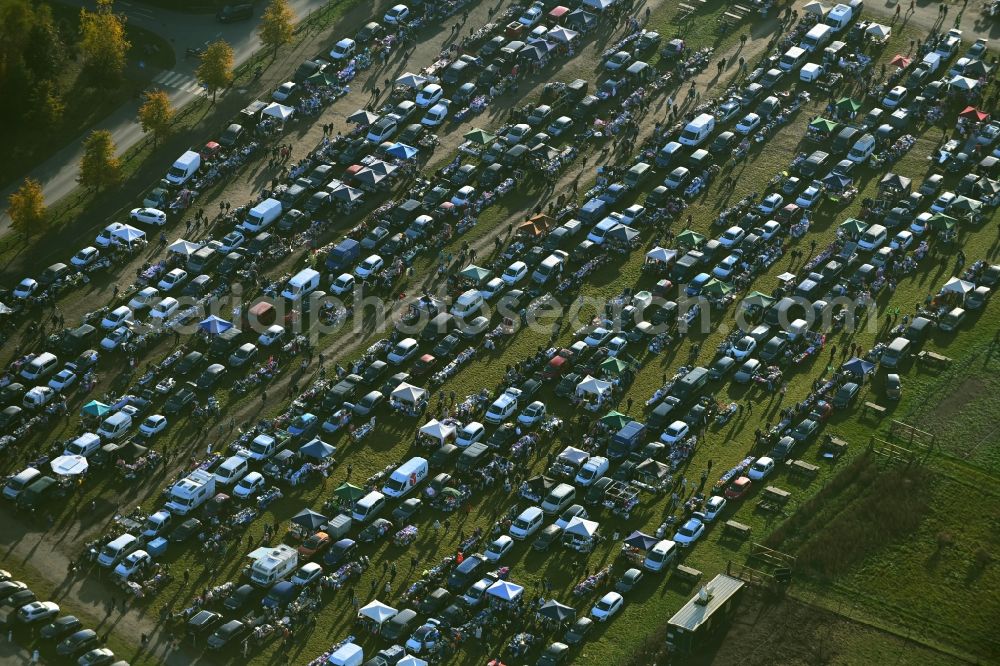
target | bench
[
  {"x": 737, "y": 529},
  {"x": 730, "y": 17},
  {"x": 933, "y": 358},
  {"x": 802, "y": 468},
  {"x": 741, "y": 10},
  {"x": 687, "y": 574},
  {"x": 833, "y": 447},
  {"x": 773, "y": 499},
  {"x": 686, "y": 10},
  {"x": 878, "y": 409}
]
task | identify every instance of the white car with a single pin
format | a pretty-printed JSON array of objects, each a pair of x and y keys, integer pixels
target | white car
[
  {"x": 732, "y": 237},
  {"x": 532, "y": 414},
  {"x": 713, "y": 507},
  {"x": 149, "y": 216},
  {"x": 343, "y": 284},
  {"x": 503, "y": 407},
  {"x": 429, "y": 95},
  {"x": 146, "y": 297},
  {"x": 306, "y": 574},
  {"x": 464, "y": 196},
  {"x": 396, "y": 15},
  {"x": 743, "y": 348},
  {"x": 343, "y": 49},
  {"x": 770, "y": 229},
  {"x": 810, "y": 196},
  {"x": 761, "y": 468},
  {"x": 943, "y": 202},
  {"x": 619, "y": 60},
  {"x": 674, "y": 432},
  {"x": 894, "y": 97},
  {"x": 725, "y": 268},
  {"x": 116, "y": 338},
  {"x": 25, "y": 288},
  {"x": 500, "y": 547},
  {"x": 435, "y": 115},
  {"x": 689, "y": 532},
  {"x": 597, "y": 337},
  {"x": 274, "y": 334},
  {"x": 770, "y": 203},
  {"x": 592, "y": 470},
  {"x": 531, "y": 16},
  {"x": 231, "y": 241},
  {"x": 616, "y": 345},
  {"x": 403, "y": 351},
  {"x": 514, "y": 273},
  {"x": 492, "y": 289},
  {"x": 153, "y": 425},
  {"x": 516, "y": 134},
  {"x": 748, "y": 124},
  {"x": 284, "y": 91},
  {"x": 117, "y": 317},
  {"x": 37, "y": 611},
  {"x": 470, "y": 433},
  {"x": 174, "y": 278},
  {"x": 919, "y": 225},
  {"x": 560, "y": 125},
  {"x": 165, "y": 308},
  {"x": 901, "y": 240},
  {"x": 133, "y": 562},
  {"x": 369, "y": 266},
  {"x": 606, "y": 608},
  {"x": 249, "y": 485},
  {"x": 62, "y": 380},
  {"x": 85, "y": 257},
  {"x": 38, "y": 397}
]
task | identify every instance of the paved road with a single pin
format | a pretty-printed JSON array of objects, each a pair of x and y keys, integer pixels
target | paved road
[{"x": 58, "y": 174}]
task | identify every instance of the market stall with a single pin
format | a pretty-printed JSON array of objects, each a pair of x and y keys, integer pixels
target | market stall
[
  {"x": 593, "y": 392},
  {"x": 374, "y": 614},
  {"x": 580, "y": 534},
  {"x": 408, "y": 399}
]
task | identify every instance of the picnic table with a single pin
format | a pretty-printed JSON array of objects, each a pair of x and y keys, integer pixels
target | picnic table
[
  {"x": 687, "y": 574},
  {"x": 833, "y": 447},
  {"x": 933, "y": 358},
  {"x": 802, "y": 468},
  {"x": 875, "y": 407},
  {"x": 737, "y": 529},
  {"x": 773, "y": 499}
]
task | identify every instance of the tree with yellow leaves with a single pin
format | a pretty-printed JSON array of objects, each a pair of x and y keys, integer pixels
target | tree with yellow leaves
[
  {"x": 277, "y": 25},
  {"x": 99, "y": 166},
  {"x": 156, "y": 115},
  {"x": 103, "y": 42},
  {"x": 26, "y": 207},
  {"x": 216, "y": 68}
]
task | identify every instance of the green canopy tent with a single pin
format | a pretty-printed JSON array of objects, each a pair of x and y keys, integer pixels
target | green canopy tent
[
  {"x": 965, "y": 207},
  {"x": 475, "y": 274},
  {"x": 482, "y": 137},
  {"x": 321, "y": 79},
  {"x": 853, "y": 227},
  {"x": 716, "y": 288},
  {"x": 348, "y": 492},
  {"x": 690, "y": 238},
  {"x": 941, "y": 222},
  {"x": 613, "y": 367},
  {"x": 757, "y": 299},
  {"x": 847, "y": 105},
  {"x": 823, "y": 125},
  {"x": 95, "y": 409},
  {"x": 614, "y": 420}
]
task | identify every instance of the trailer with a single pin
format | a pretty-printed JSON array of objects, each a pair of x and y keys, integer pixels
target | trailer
[{"x": 705, "y": 614}]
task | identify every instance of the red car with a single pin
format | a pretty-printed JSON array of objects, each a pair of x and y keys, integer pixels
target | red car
[
  {"x": 558, "y": 365},
  {"x": 314, "y": 545},
  {"x": 423, "y": 365},
  {"x": 738, "y": 488}
]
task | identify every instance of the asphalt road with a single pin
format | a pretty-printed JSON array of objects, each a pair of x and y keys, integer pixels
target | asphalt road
[{"x": 58, "y": 174}]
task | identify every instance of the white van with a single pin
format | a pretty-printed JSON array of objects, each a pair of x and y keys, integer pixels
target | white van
[
  {"x": 558, "y": 499},
  {"x": 660, "y": 555},
  {"x": 273, "y": 566},
  {"x": 261, "y": 216},
  {"x": 405, "y": 477},
  {"x": 862, "y": 149},
  {"x": 817, "y": 37},
  {"x": 932, "y": 61},
  {"x": 84, "y": 445},
  {"x": 186, "y": 166},
  {"x": 550, "y": 268},
  {"x": 115, "y": 426},
  {"x": 839, "y": 17},
  {"x": 792, "y": 59},
  {"x": 19, "y": 482},
  {"x": 699, "y": 129},
  {"x": 873, "y": 238},
  {"x": 301, "y": 284},
  {"x": 40, "y": 367},
  {"x": 527, "y": 523},
  {"x": 231, "y": 470},
  {"x": 468, "y": 304},
  {"x": 601, "y": 229},
  {"x": 810, "y": 72},
  {"x": 115, "y": 551},
  {"x": 368, "y": 507},
  {"x": 107, "y": 236}
]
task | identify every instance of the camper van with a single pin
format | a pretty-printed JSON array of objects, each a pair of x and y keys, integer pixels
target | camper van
[
  {"x": 301, "y": 284},
  {"x": 817, "y": 37},
  {"x": 550, "y": 268},
  {"x": 699, "y": 129},
  {"x": 40, "y": 367},
  {"x": 468, "y": 304},
  {"x": 896, "y": 353},
  {"x": 191, "y": 492},
  {"x": 186, "y": 166},
  {"x": 873, "y": 238},
  {"x": 115, "y": 551},
  {"x": 274, "y": 566},
  {"x": 862, "y": 149},
  {"x": 405, "y": 477},
  {"x": 261, "y": 216},
  {"x": 368, "y": 507}
]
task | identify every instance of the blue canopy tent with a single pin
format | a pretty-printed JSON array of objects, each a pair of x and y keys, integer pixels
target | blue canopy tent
[
  {"x": 641, "y": 540},
  {"x": 214, "y": 325},
  {"x": 95, "y": 408},
  {"x": 402, "y": 151},
  {"x": 858, "y": 367},
  {"x": 317, "y": 449}
]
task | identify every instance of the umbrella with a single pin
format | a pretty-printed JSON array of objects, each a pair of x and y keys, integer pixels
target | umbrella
[
  {"x": 348, "y": 492},
  {"x": 183, "y": 247},
  {"x": 690, "y": 238},
  {"x": 377, "y": 611},
  {"x": 95, "y": 408},
  {"x": 69, "y": 465},
  {"x": 641, "y": 540},
  {"x": 848, "y": 104},
  {"x": 815, "y": 8},
  {"x": 614, "y": 420},
  {"x": 823, "y": 124},
  {"x": 309, "y": 519},
  {"x": 963, "y": 83},
  {"x": 900, "y": 61},
  {"x": 554, "y": 610},
  {"x": 411, "y": 80},
  {"x": 853, "y": 227},
  {"x": 214, "y": 325},
  {"x": 941, "y": 222},
  {"x": 756, "y": 299},
  {"x": 506, "y": 590},
  {"x": 858, "y": 367},
  {"x": 482, "y": 137},
  {"x": 402, "y": 151},
  {"x": 317, "y": 449},
  {"x": 614, "y": 367},
  {"x": 362, "y": 117},
  {"x": 716, "y": 288}
]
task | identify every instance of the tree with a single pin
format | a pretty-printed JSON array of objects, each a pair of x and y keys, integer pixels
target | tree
[
  {"x": 216, "y": 68},
  {"x": 103, "y": 42},
  {"x": 28, "y": 215},
  {"x": 276, "y": 25},
  {"x": 156, "y": 115},
  {"x": 99, "y": 167}
]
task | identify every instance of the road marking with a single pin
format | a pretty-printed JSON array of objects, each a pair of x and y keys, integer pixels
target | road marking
[{"x": 179, "y": 81}]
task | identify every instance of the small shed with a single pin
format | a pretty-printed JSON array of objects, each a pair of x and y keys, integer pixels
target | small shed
[{"x": 704, "y": 615}]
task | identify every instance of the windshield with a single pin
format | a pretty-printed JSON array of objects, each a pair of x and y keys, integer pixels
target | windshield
[{"x": 395, "y": 484}]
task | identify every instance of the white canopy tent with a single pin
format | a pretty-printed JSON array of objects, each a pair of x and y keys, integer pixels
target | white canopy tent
[
  {"x": 574, "y": 456},
  {"x": 592, "y": 386},
  {"x": 599, "y": 5},
  {"x": 879, "y": 32},
  {"x": 410, "y": 660},
  {"x": 957, "y": 286},
  {"x": 408, "y": 393},
  {"x": 661, "y": 254},
  {"x": 963, "y": 83},
  {"x": 377, "y": 612},
  {"x": 279, "y": 111},
  {"x": 561, "y": 34},
  {"x": 582, "y": 528},
  {"x": 438, "y": 430},
  {"x": 411, "y": 80},
  {"x": 505, "y": 590},
  {"x": 72, "y": 465},
  {"x": 815, "y": 8},
  {"x": 129, "y": 234},
  {"x": 185, "y": 248}
]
